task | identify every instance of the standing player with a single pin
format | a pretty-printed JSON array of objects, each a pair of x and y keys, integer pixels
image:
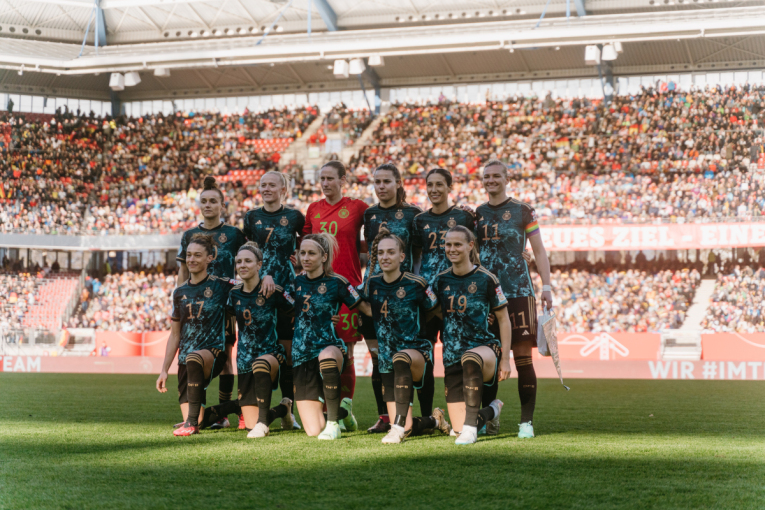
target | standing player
[
  {"x": 468, "y": 293},
  {"x": 341, "y": 217},
  {"x": 276, "y": 228},
  {"x": 399, "y": 302},
  {"x": 428, "y": 236},
  {"x": 317, "y": 352},
  {"x": 198, "y": 333},
  {"x": 395, "y": 215},
  {"x": 228, "y": 240},
  {"x": 503, "y": 225}
]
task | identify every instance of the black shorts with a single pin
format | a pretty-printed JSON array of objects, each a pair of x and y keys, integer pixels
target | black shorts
[
  {"x": 453, "y": 383},
  {"x": 367, "y": 327},
  {"x": 230, "y": 329},
  {"x": 523, "y": 319},
  {"x": 388, "y": 380},
  {"x": 307, "y": 381},
  {"x": 247, "y": 386},
  {"x": 285, "y": 326},
  {"x": 219, "y": 362},
  {"x": 433, "y": 329}
]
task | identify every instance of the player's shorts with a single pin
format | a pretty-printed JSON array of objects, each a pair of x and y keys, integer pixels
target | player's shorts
[
  {"x": 453, "y": 383},
  {"x": 230, "y": 329},
  {"x": 285, "y": 326},
  {"x": 307, "y": 381},
  {"x": 247, "y": 385},
  {"x": 523, "y": 319},
  {"x": 367, "y": 327},
  {"x": 348, "y": 327},
  {"x": 388, "y": 380},
  {"x": 433, "y": 329},
  {"x": 219, "y": 361}
]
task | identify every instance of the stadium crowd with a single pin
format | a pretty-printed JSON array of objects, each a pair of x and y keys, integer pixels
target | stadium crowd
[
  {"x": 737, "y": 303},
  {"x": 658, "y": 155},
  {"x": 17, "y": 293}
]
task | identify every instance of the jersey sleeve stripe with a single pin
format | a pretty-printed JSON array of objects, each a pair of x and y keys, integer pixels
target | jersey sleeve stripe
[
  {"x": 340, "y": 277},
  {"x": 489, "y": 273}
]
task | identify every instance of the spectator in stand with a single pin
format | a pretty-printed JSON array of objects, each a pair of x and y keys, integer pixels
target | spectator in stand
[{"x": 737, "y": 302}]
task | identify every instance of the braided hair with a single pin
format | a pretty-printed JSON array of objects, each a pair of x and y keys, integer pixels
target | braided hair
[
  {"x": 328, "y": 245},
  {"x": 384, "y": 233}
]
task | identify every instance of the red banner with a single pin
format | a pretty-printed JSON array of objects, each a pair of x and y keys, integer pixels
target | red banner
[
  {"x": 742, "y": 346},
  {"x": 652, "y": 237}
]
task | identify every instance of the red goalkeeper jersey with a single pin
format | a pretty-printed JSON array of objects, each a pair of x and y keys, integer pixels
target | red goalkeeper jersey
[{"x": 344, "y": 221}]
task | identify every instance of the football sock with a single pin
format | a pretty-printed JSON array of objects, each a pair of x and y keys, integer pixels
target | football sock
[
  {"x": 472, "y": 384},
  {"x": 377, "y": 387},
  {"x": 527, "y": 387},
  {"x": 348, "y": 378},
  {"x": 341, "y": 415},
  {"x": 420, "y": 425},
  {"x": 402, "y": 386},
  {"x": 277, "y": 412},
  {"x": 331, "y": 378},
  {"x": 426, "y": 392},
  {"x": 225, "y": 387},
  {"x": 214, "y": 414},
  {"x": 490, "y": 393},
  {"x": 195, "y": 386},
  {"x": 261, "y": 378},
  {"x": 285, "y": 381},
  {"x": 485, "y": 415}
]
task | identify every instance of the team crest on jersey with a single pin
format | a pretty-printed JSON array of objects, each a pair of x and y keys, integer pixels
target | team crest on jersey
[
  {"x": 322, "y": 289},
  {"x": 260, "y": 301},
  {"x": 343, "y": 213},
  {"x": 451, "y": 223},
  {"x": 473, "y": 287},
  {"x": 507, "y": 215},
  {"x": 208, "y": 292},
  {"x": 401, "y": 293},
  {"x": 351, "y": 289},
  {"x": 284, "y": 221},
  {"x": 222, "y": 238},
  {"x": 399, "y": 215}
]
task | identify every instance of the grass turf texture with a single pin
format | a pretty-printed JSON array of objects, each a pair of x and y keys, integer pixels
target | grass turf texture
[{"x": 105, "y": 441}]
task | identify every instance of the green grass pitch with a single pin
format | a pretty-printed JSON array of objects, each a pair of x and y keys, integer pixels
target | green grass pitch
[{"x": 105, "y": 441}]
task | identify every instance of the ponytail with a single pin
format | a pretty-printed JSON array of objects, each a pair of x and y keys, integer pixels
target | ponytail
[
  {"x": 328, "y": 245},
  {"x": 470, "y": 238},
  {"x": 400, "y": 192},
  {"x": 384, "y": 233},
  {"x": 210, "y": 184}
]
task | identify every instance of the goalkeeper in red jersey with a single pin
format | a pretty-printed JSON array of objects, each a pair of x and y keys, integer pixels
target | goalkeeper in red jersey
[{"x": 343, "y": 218}]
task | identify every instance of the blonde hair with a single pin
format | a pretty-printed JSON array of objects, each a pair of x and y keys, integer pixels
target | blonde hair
[
  {"x": 283, "y": 179},
  {"x": 328, "y": 245},
  {"x": 384, "y": 233},
  {"x": 470, "y": 237},
  {"x": 253, "y": 248}
]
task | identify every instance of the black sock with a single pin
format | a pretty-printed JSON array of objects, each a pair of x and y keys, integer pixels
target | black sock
[
  {"x": 490, "y": 392},
  {"x": 377, "y": 388},
  {"x": 527, "y": 387},
  {"x": 196, "y": 386},
  {"x": 216, "y": 413},
  {"x": 485, "y": 415},
  {"x": 341, "y": 414},
  {"x": 261, "y": 379},
  {"x": 420, "y": 425},
  {"x": 426, "y": 392},
  {"x": 277, "y": 412},
  {"x": 285, "y": 382},
  {"x": 330, "y": 375},
  {"x": 402, "y": 386},
  {"x": 225, "y": 387},
  {"x": 472, "y": 384}
]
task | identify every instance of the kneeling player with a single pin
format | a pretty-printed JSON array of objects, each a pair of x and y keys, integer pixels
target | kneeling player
[
  {"x": 317, "y": 352},
  {"x": 259, "y": 354},
  {"x": 472, "y": 354},
  {"x": 197, "y": 333},
  {"x": 399, "y": 302}
]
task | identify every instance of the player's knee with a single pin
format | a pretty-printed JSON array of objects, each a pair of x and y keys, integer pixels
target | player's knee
[{"x": 261, "y": 365}]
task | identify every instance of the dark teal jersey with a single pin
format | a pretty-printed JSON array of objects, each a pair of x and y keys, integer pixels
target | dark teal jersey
[
  {"x": 316, "y": 301},
  {"x": 201, "y": 310},
  {"x": 430, "y": 235},
  {"x": 228, "y": 239},
  {"x": 256, "y": 322},
  {"x": 502, "y": 231},
  {"x": 398, "y": 220},
  {"x": 276, "y": 234},
  {"x": 466, "y": 302},
  {"x": 398, "y": 312}
]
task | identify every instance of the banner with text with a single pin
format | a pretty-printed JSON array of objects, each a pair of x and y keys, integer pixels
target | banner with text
[{"x": 652, "y": 237}]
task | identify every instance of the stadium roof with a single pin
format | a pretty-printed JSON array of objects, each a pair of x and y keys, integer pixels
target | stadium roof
[{"x": 221, "y": 48}]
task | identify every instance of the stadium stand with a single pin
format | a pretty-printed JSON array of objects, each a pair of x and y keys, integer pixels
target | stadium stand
[{"x": 737, "y": 302}]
